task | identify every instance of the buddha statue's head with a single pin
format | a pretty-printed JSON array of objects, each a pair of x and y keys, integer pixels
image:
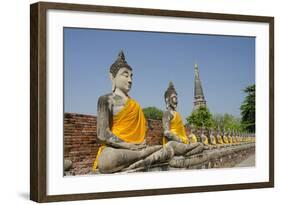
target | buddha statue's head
[
  {"x": 203, "y": 130},
  {"x": 224, "y": 131},
  {"x": 228, "y": 131},
  {"x": 218, "y": 131},
  {"x": 211, "y": 131},
  {"x": 121, "y": 74},
  {"x": 170, "y": 96}
]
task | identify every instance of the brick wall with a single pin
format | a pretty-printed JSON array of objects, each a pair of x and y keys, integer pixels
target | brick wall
[
  {"x": 80, "y": 140},
  {"x": 81, "y": 144}
]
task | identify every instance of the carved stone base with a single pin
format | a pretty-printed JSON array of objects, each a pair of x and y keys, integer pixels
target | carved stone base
[{"x": 224, "y": 156}]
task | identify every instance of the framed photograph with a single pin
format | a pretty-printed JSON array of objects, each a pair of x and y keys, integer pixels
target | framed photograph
[{"x": 135, "y": 102}]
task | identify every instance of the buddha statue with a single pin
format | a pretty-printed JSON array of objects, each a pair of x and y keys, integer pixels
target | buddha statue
[
  {"x": 225, "y": 138},
  {"x": 203, "y": 136},
  {"x": 174, "y": 130},
  {"x": 252, "y": 137},
  {"x": 212, "y": 137},
  {"x": 229, "y": 137},
  {"x": 233, "y": 136},
  {"x": 243, "y": 137},
  {"x": 121, "y": 127},
  {"x": 239, "y": 137},
  {"x": 192, "y": 137},
  {"x": 218, "y": 136},
  {"x": 248, "y": 137}
]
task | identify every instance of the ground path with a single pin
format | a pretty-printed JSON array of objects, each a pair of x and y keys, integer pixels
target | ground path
[{"x": 249, "y": 162}]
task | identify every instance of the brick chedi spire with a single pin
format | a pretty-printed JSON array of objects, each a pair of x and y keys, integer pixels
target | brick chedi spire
[{"x": 199, "y": 99}]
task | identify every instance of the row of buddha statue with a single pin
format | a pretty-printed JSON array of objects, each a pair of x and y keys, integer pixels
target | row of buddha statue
[
  {"x": 121, "y": 128},
  {"x": 218, "y": 137}
]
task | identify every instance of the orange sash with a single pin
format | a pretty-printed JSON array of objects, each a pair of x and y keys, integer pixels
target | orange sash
[{"x": 177, "y": 128}]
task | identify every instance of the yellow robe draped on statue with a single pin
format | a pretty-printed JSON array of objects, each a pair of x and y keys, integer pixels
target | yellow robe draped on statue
[
  {"x": 129, "y": 125},
  {"x": 225, "y": 139},
  {"x": 219, "y": 139},
  {"x": 177, "y": 128},
  {"x": 205, "y": 141},
  {"x": 192, "y": 138},
  {"x": 230, "y": 141}
]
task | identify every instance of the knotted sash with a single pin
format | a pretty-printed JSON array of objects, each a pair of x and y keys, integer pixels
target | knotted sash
[{"x": 129, "y": 124}]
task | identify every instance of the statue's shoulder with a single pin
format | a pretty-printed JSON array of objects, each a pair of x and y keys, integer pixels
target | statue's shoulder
[
  {"x": 167, "y": 115},
  {"x": 105, "y": 98}
]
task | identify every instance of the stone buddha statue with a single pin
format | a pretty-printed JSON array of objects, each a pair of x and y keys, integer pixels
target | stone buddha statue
[
  {"x": 225, "y": 138},
  {"x": 172, "y": 123},
  {"x": 192, "y": 137},
  {"x": 247, "y": 137},
  {"x": 121, "y": 126},
  {"x": 244, "y": 137},
  {"x": 233, "y": 136},
  {"x": 203, "y": 136},
  {"x": 239, "y": 137},
  {"x": 212, "y": 137},
  {"x": 252, "y": 137},
  {"x": 229, "y": 136},
  {"x": 174, "y": 130},
  {"x": 218, "y": 136}
]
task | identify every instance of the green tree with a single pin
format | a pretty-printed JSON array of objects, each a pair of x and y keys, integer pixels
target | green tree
[
  {"x": 153, "y": 113},
  {"x": 227, "y": 121},
  {"x": 201, "y": 116},
  {"x": 248, "y": 109}
]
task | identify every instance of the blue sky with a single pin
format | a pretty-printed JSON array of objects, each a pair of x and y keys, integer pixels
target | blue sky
[{"x": 226, "y": 66}]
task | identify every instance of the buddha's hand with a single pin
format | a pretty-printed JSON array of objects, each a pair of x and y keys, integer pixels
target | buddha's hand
[
  {"x": 131, "y": 146},
  {"x": 172, "y": 136},
  {"x": 138, "y": 146}
]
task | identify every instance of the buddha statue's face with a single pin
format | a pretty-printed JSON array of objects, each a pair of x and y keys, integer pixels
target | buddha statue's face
[
  {"x": 173, "y": 100},
  {"x": 203, "y": 130},
  {"x": 122, "y": 80}
]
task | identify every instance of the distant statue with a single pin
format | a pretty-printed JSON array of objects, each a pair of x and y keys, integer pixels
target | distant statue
[
  {"x": 203, "y": 136},
  {"x": 243, "y": 137},
  {"x": 174, "y": 130},
  {"x": 121, "y": 127},
  {"x": 229, "y": 137},
  {"x": 192, "y": 137},
  {"x": 247, "y": 137},
  {"x": 239, "y": 138},
  {"x": 212, "y": 137},
  {"x": 234, "y": 136},
  {"x": 225, "y": 138},
  {"x": 218, "y": 136}
]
